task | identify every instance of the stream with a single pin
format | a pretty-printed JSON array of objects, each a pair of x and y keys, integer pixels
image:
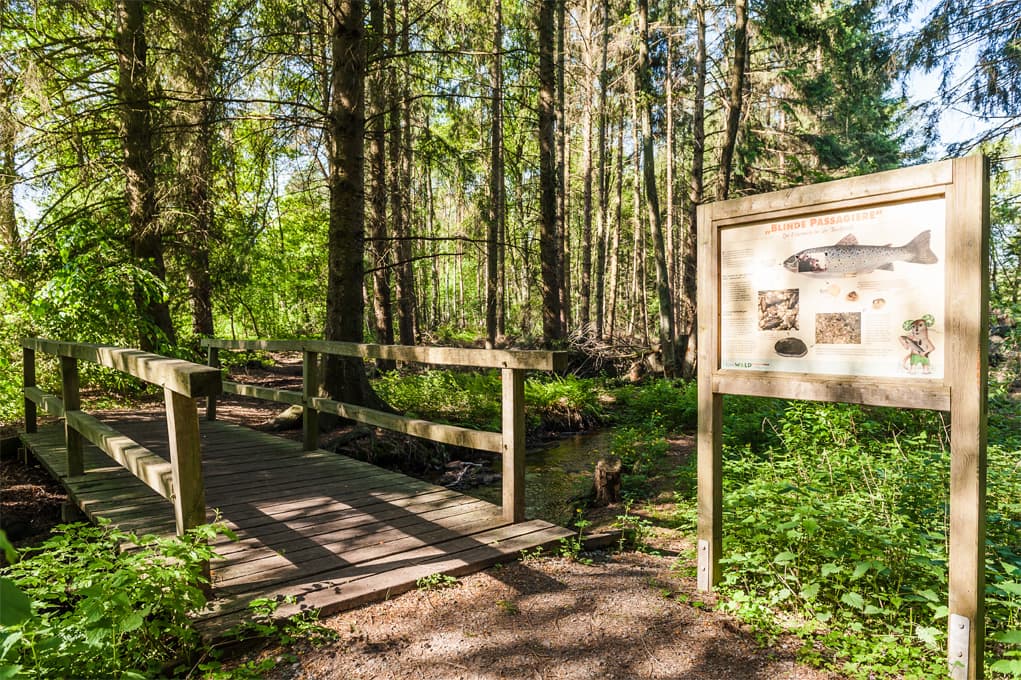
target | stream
[{"x": 554, "y": 475}]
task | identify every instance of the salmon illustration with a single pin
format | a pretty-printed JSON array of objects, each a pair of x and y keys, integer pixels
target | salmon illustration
[{"x": 847, "y": 257}]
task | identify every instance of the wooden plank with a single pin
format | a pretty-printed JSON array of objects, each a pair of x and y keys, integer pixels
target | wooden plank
[
  {"x": 868, "y": 187},
  {"x": 388, "y": 531},
  {"x": 152, "y": 470},
  {"x": 839, "y": 205},
  {"x": 339, "y": 517},
  {"x": 513, "y": 444},
  {"x": 309, "y": 413},
  {"x": 446, "y": 434},
  {"x": 213, "y": 360},
  {"x": 266, "y": 393},
  {"x": 51, "y": 404},
  {"x": 710, "y": 406},
  {"x": 334, "y": 551},
  {"x": 71, "y": 399},
  {"x": 918, "y": 393},
  {"x": 186, "y": 461},
  {"x": 967, "y": 360},
  {"x": 28, "y": 383},
  {"x": 340, "y": 535},
  {"x": 538, "y": 360},
  {"x": 184, "y": 377},
  {"x": 348, "y": 588}
]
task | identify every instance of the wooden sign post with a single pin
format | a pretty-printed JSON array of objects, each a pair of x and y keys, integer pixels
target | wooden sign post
[{"x": 870, "y": 290}]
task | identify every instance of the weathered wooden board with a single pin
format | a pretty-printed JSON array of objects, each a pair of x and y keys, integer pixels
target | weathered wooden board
[{"x": 332, "y": 531}]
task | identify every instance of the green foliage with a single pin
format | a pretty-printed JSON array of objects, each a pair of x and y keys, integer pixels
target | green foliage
[
  {"x": 473, "y": 398},
  {"x": 97, "y": 611},
  {"x": 634, "y": 530},
  {"x": 838, "y": 533},
  {"x": 565, "y": 403},
  {"x": 669, "y": 404},
  {"x": 639, "y": 448},
  {"x": 572, "y": 547},
  {"x": 466, "y": 398},
  {"x": 436, "y": 582}
]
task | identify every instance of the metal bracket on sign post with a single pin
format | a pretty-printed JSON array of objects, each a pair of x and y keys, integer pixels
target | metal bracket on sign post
[
  {"x": 958, "y": 643},
  {"x": 703, "y": 565}
]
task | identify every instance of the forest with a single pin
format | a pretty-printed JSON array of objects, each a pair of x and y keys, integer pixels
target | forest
[
  {"x": 528, "y": 171},
  {"x": 501, "y": 173}
]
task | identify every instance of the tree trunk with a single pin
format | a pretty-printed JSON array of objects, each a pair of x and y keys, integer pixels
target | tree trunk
[
  {"x": 607, "y": 481},
  {"x": 407, "y": 296},
  {"x": 496, "y": 197},
  {"x": 618, "y": 225},
  {"x": 735, "y": 97},
  {"x": 588, "y": 67},
  {"x": 344, "y": 379},
  {"x": 666, "y": 315},
  {"x": 552, "y": 329},
  {"x": 382, "y": 304},
  {"x": 398, "y": 187},
  {"x": 193, "y": 80},
  {"x": 563, "y": 173},
  {"x": 670, "y": 213},
  {"x": 8, "y": 180},
  {"x": 156, "y": 327},
  {"x": 604, "y": 187},
  {"x": 696, "y": 193}
]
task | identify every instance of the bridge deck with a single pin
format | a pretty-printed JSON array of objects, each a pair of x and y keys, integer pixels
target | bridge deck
[{"x": 327, "y": 530}]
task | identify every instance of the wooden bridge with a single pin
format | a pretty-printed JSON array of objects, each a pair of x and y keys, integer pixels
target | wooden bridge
[{"x": 322, "y": 530}]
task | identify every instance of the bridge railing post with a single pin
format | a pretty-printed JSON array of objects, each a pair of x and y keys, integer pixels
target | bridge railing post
[
  {"x": 309, "y": 387},
  {"x": 513, "y": 432},
  {"x": 212, "y": 360},
  {"x": 28, "y": 380},
  {"x": 69, "y": 387},
  {"x": 185, "y": 460}
]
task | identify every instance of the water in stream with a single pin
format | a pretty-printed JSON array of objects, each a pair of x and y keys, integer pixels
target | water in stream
[{"x": 555, "y": 475}]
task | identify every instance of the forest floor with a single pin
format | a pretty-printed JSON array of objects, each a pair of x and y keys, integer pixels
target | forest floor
[{"x": 606, "y": 615}]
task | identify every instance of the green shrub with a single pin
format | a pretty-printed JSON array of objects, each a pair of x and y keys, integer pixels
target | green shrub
[
  {"x": 78, "y": 606},
  {"x": 670, "y": 404},
  {"x": 565, "y": 403},
  {"x": 839, "y": 531}
]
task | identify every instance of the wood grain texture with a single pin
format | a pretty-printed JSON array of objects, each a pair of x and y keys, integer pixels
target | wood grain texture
[
  {"x": 333, "y": 531},
  {"x": 839, "y": 194},
  {"x": 538, "y": 360},
  {"x": 710, "y": 406},
  {"x": 513, "y": 444},
  {"x": 967, "y": 357},
  {"x": 446, "y": 434},
  {"x": 186, "y": 461},
  {"x": 184, "y": 377},
  {"x": 71, "y": 399}
]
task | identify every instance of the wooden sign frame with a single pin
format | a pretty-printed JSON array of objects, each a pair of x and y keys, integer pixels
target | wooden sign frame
[{"x": 964, "y": 187}]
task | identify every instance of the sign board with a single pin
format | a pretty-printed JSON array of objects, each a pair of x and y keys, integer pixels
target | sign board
[
  {"x": 849, "y": 292},
  {"x": 869, "y": 290}
]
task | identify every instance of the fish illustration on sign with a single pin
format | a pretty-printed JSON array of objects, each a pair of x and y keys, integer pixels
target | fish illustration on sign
[{"x": 847, "y": 257}]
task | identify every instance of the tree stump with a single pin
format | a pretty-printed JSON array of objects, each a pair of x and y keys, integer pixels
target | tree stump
[{"x": 607, "y": 481}]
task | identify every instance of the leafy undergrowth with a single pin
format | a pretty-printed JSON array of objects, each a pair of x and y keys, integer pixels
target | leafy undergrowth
[
  {"x": 78, "y": 606},
  {"x": 836, "y": 529},
  {"x": 472, "y": 399}
]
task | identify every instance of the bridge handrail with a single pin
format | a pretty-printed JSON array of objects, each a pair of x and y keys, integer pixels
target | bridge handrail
[
  {"x": 509, "y": 442},
  {"x": 180, "y": 480},
  {"x": 537, "y": 360}
]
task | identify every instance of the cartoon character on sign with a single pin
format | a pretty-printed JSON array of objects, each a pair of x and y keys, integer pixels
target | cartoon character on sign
[{"x": 917, "y": 343}]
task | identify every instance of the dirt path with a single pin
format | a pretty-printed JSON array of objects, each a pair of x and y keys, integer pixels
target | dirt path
[{"x": 626, "y": 616}]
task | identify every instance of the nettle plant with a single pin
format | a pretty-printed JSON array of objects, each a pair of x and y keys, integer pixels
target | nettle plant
[{"x": 80, "y": 606}]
